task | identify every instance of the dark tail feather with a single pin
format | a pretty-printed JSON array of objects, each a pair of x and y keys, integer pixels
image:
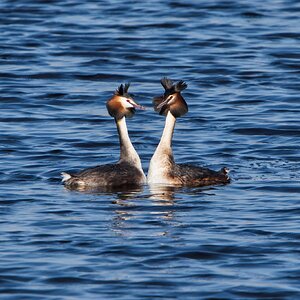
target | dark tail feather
[{"x": 224, "y": 171}]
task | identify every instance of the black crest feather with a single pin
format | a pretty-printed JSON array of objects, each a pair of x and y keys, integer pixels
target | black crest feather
[
  {"x": 122, "y": 90},
  {"x": 180, "y": 86},
  {"x": 166, "y": 83},
  {"x": 171, "y": 88},
  {"x": 126, "y": 87}
]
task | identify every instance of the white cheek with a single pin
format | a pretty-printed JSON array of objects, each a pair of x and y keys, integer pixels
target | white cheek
[
  {"x": 172, "y": 100},
  {"x": 126, "y": 103}
]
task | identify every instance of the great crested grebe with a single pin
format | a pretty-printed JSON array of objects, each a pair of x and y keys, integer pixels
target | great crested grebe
[
  {"x": 163, "y": 169},
  {"x": 128, "y": 170}
]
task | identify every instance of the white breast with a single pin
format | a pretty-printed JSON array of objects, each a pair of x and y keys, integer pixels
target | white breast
[{"x": 158, "y": 170}]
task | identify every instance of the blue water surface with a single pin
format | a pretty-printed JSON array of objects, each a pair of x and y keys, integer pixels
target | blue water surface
[{"x": 59, "y": 63}]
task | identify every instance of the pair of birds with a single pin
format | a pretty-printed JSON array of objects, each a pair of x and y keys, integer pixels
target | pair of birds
[{"x": 162, "y": 169}]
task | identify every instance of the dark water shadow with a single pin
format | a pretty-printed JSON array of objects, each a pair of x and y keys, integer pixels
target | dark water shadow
[
  {"x": 169, "y": 193},
  {"x": 121, "y": 192}
]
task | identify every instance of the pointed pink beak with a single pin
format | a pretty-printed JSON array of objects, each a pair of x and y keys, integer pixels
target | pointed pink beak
[{"x": 135, "y": 105}]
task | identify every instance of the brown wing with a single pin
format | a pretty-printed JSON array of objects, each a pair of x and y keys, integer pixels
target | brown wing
[{"x": 197, "y": 176}]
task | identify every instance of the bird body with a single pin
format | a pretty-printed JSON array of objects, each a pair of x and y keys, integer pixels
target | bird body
[
  {"x": 162, "y": 168},
  {"x": 128, "y": 170}
]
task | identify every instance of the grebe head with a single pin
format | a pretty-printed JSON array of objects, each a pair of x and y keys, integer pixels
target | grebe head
[
  {"x": 122, "y": 104},
  {"x": 171, "y": 100}
]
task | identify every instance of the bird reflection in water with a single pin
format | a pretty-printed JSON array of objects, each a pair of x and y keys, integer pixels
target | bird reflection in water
[
  {"x": 149, "y": 210},
  {"x": 163, "y": 194},
  {"x": 150, "y": 205},
  {"x": 124, "y": 192}
]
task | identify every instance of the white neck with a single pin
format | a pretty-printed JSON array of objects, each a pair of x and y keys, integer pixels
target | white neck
[
  {"x": 167, "y": 135},
  {"x": 163, "y": 156},
  {"x": 127, "y": 151}
]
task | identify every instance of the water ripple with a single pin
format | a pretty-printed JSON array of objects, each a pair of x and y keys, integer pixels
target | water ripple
[{"x": 60, "y": 62}]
